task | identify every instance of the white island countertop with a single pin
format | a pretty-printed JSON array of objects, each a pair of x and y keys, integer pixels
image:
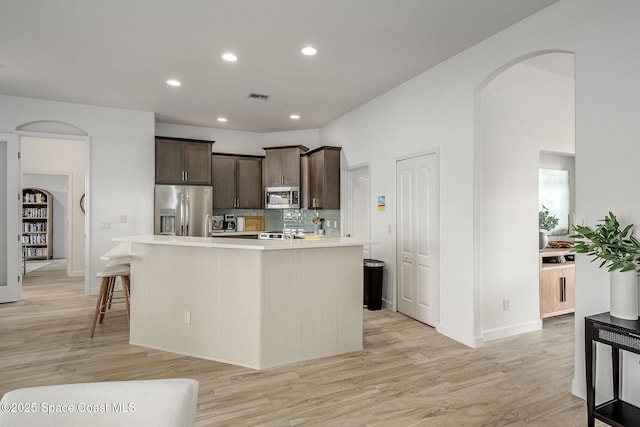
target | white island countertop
[{"x": 238, "y": 243}]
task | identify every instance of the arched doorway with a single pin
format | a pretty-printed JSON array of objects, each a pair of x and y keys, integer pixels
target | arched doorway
[
  {"x": 524, "y": 108},
  {"x": 54, "y": 148}
]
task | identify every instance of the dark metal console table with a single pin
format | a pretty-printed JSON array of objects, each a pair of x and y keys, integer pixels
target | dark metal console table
[{"x": 619, "y": 334}]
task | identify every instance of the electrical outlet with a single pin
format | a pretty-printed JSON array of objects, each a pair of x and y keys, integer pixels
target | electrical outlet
[
  {"x": 105, "y": 225},
  {"x": 123, "y": 218},
  {"x": 505, "y": 305},
  {"x": 187, "y": 317}
]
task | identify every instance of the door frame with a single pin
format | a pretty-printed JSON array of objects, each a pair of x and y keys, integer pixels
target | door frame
[
  {"x": 13, "y": 289},
  {"x": 346, "y": 219},
  {"x": 87, "y": 191},
  {"x": 429, "y": 151}
]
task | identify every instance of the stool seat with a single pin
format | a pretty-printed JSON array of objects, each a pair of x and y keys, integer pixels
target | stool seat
[{"x": 114, "y": 270}]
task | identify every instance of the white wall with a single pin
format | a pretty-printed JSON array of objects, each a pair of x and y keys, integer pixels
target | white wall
[
  {"x": 309, "y": 138},
  {"x": 3, "y": 208},
  {"x": 437, "y": 109},
  {"x": 226, "y": 141},
  {"x": 61, "y": 158},
  {"x": 121, "y": 147},
  {"x": 238, "y": 142},
  {"x": 523, "y": 110},
  {"x": 607, "y": 149}
]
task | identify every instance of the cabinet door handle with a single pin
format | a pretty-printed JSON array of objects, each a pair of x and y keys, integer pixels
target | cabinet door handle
[
  {"x": 563, "y": 289},
  {"x": 186, "y": 175}
]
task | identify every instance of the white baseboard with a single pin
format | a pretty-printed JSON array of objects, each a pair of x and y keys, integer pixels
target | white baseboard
[
  {"x": 578, "y": 388},
  {"x": 511, "y": 330},
  {"x": 469, "y": 341}
]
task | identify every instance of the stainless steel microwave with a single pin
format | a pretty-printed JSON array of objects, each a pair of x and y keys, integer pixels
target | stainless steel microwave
[{"x": 282, "y": 197}]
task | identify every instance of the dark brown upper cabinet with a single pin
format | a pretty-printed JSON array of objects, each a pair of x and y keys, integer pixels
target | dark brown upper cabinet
[
  {"x": 282, "y": 166},
  {"x": 237, "y": 181},
  {"x": 323, "y": 168},
  {"x": 183, "y": 161}
]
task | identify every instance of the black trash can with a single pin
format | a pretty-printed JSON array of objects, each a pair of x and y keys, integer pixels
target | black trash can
[{"x": 373, "y": 269}]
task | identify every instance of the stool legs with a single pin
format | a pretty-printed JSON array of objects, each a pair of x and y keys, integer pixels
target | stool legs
[
  {"x": 100, "y": 303},
  {"x": 126, "y": 290},
  {"x": 105, "y": 299}
]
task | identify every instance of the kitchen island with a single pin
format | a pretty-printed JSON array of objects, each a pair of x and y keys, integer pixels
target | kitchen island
[{"x": 248, "y": 302}]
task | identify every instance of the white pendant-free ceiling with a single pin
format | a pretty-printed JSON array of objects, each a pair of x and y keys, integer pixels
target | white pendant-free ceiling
[{"x": 120, "y": 53}]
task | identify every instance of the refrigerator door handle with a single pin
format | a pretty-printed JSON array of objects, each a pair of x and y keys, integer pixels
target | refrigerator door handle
[
  {"x": 181, "y": 208},
  {"x": 207, "y": 225},
  {"x": 187, "y": 220}
]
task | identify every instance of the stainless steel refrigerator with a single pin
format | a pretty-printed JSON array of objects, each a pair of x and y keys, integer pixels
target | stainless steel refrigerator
[{"x": 183, "y": 210}]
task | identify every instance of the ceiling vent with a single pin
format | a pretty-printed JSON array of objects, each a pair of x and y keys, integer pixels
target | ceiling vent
[{"x": 258, "y": 97}]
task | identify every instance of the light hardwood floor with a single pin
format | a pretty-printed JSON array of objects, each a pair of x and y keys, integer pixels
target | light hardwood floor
[{"x": 407, "y": 374}]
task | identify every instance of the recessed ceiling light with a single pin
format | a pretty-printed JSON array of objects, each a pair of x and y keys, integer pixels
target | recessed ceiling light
[
  {"x": 294, "y": 116},
  {"x": 173, "y": 82},
  {"x": 222, "y": 119},
  {"x": 309, "y": 51},
  {"x": 229, "y": 57}
]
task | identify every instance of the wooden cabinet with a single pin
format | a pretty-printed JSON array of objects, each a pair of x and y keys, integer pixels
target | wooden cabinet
[
  {"x": 324, "y": 178},
  {"x": 183, "y": 161},
  {"x": 557, "y": 282},
  {"x": 37, "y": 224},
  {"x": 237, "y": 182},
  {"x": 282, "y": 166}
]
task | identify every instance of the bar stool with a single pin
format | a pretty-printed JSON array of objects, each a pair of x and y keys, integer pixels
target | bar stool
[{"x": 119, "y": 265}]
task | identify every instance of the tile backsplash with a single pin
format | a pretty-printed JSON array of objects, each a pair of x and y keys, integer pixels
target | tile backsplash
[{"x": 278, "y": 219}]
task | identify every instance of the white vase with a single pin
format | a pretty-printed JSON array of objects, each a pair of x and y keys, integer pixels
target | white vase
[
  {"x": 624, "y": 294},
  {"x": 543, "y": 240}
]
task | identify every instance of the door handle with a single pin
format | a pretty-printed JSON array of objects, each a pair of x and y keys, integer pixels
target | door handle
[
  {"x": 186, "y": 214},
  {"x": 563, "y": 289}
]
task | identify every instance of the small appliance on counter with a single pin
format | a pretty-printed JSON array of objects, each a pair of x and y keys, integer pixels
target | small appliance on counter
[
  {"x": 217, "y": 223},
  {"x": 272, "y": 235},
  {"x": 229, "y": 222},
  {"x": 240, "y": 222}
]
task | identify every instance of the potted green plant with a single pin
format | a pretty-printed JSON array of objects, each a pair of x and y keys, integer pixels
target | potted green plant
[
  {"x": 619, "y": 252},
  {"x": 546, "y": 222}
]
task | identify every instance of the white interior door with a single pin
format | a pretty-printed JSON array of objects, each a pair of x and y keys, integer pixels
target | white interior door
[
  {"x": 10, "y": 229},
  {"x": 358, "y": 221},
  {"x": 417, "y": 238}
]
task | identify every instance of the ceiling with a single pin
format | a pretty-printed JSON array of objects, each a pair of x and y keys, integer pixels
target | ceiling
[{"x": 120, "y": 53}]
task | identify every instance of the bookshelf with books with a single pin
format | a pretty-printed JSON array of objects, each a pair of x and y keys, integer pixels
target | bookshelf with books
[{"x": 37, "y": 224}]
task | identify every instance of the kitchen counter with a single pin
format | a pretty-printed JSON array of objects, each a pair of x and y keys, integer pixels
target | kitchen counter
[
  {"x": 248, "y": 302},
  {"x": 254, "y": 244}
]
